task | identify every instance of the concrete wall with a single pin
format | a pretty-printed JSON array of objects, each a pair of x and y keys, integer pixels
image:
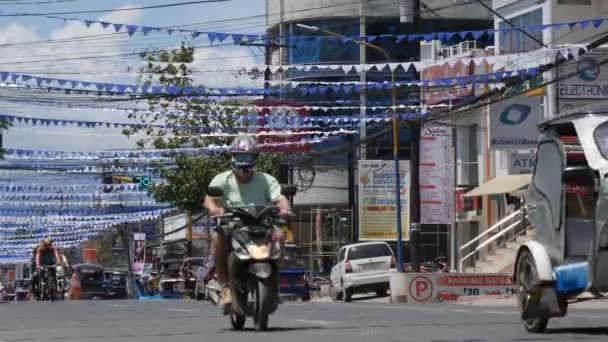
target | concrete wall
[
  {"x": 555, "y": 11},
  {"x": 297, "y": 10}
]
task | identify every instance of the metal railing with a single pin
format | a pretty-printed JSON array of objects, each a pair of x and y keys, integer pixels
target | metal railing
[{"x": 512, "y": 221}]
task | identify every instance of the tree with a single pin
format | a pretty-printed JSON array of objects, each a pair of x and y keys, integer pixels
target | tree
[{"x": 184, "y": 119}]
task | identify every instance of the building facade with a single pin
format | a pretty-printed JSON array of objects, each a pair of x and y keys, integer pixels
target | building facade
[{"x": 365, "y": 18}]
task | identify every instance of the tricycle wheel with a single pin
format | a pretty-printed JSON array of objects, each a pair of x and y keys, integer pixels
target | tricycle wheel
[
  {"x": 526, "y": 284},
  {"x": 536, "y": 325},
  {"x": 237, "y": 321}
]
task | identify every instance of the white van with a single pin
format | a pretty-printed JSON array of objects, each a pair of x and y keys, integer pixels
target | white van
[{"x": 361, "y": 268}]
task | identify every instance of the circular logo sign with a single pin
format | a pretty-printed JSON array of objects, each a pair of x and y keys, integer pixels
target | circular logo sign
[
  {"x": 588, "y": 70},
  {"x": 421, "y": 289}
]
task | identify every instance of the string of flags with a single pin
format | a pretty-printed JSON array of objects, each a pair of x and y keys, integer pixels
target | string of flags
[
  {"x": 238, "y": 38},
  {"x": 70, "y": 188},
  {"x": 16, "y": 154},
  {"x": 174, "y": 90}
]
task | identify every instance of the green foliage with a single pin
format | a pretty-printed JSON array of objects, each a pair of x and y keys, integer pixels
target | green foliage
[{"x": 184, "y": 183}]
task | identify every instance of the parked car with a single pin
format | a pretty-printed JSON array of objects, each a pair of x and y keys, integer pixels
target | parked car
[
  {"x": 116, "y": 284},
  {"x": 361, "y": 268},
  {"x": 92, "y": 283},
  {"x": 292, "y": 275},
  {"x": 171, "y": 284}
]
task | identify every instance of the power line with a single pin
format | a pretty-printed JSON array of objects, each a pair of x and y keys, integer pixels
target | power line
[{"x": 112, "y": 10}]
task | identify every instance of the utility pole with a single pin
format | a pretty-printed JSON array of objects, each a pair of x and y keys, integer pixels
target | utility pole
[
  {"x": 415, "y": 169},
  {"x": 189, "y": 234}
]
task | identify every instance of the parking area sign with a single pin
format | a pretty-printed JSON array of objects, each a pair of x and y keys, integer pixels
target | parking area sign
[{"x": 439, "y": 287}]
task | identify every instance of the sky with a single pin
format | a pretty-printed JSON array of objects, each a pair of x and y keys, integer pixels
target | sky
[{"x": 95, "y": 58}]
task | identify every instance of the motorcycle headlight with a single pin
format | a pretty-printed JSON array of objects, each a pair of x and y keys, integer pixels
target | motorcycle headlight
[
  {"x": 59, "y": 268},
  {"x": 259, "y": 252}
]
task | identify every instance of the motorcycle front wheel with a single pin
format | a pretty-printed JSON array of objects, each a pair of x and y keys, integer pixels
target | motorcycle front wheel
[{"x": 263, "y": 303}]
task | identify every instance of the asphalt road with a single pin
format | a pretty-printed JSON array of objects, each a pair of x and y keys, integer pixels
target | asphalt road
[{"x": 178, "y": 321}]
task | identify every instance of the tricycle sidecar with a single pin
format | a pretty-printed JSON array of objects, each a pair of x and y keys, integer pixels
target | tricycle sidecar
[{"x": 567, "y": 202}]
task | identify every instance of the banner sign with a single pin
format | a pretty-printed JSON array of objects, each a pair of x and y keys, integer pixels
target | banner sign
[
  {"x": 439, "y": 287},
  {"x": 521, "y": 163},
  {"x": 591, "y": 81},
  {"x": 514, "y": 124},
  {"x": 139, "y": 252},
  {"x": 377, "y": 210},
  {"x": 436, "y": 175}
]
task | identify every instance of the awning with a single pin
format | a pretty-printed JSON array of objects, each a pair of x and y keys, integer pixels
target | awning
[{"x": 501, "y": 185}]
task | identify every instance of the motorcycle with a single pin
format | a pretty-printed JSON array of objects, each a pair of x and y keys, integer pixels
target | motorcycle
[
  {"x": 2, "y": 293},
  {"x": 48, "y": 283},
  {"x": 62, "y": 284},
  {"x": 253, "y": 263},
  {"x": 438, "y": 265}
]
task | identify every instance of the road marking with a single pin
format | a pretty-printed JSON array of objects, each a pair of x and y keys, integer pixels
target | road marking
[
  {"x": 181, "y": 310},
  {"x": 498, "y": 312},
  {"x": 306, "y": 321}
]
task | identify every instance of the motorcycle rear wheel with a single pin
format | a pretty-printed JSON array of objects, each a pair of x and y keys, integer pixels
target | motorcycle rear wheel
[{"x": 263, "y": 300}]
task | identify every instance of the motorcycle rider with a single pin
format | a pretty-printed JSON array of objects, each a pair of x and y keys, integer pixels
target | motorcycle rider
[
  {"x": 242, "y": 186},
  {"x": 35, "y": 273}
]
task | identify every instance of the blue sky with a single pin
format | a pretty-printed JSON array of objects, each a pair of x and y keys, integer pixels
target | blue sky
[
  {"x": 159, "y": 17},
  {"x": 16, "y": 30}
]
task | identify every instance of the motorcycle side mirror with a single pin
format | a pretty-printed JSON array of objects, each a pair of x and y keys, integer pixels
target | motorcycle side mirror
[
  {"x": 289, "y": 190},
  {"x": 215, "y": 192}
]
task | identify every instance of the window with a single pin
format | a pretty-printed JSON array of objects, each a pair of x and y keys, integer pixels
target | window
[
  {"x": 548, "y": 177},
  {"x": 515, "y": 41},
  {"x": 601, "y": 139},
  {"x": 369, "y": 251},
  {"x": 342, "y": 254}
]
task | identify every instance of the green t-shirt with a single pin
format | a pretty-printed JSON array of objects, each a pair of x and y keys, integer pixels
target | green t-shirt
[{"x": 263, "y": 190}]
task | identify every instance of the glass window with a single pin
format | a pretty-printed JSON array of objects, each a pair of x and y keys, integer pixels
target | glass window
[
  {"x": 342, "y": 254},
  {"x": 601, "y": 138},
  {"x": 548, "y": 177},
  {"x": 369, "y": 251},
  {"x": 515, "y": 41}
]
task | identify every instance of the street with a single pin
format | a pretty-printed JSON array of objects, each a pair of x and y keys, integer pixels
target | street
[{"x": 178, "y": 321}]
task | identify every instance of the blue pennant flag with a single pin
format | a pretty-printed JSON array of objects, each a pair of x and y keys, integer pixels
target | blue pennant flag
[
  {"x": 99, "y": 86},
  {"x": 104, "y": 24},
  {"x": 221, "y": 36},
  {"x": 237, "y": 38},
  {"x": 463, "y": 35},
  {"x": 147, "y": 29},
  {"x": 26, "y": 78},
  {"x": 156, "y": 89},
  {"x": 597, "y": 22},
  {"x": 345, "y": 40},
  {"x": 371, "y": 38},
  {"x": 572, "y": 25},
  {"x": 61, "y": 82},
  {"x": 84, "y": 84},
  {"x": 88, "y": 23},
  {"x": 478, "y": 34},
  {"x": 131, "y": 29},
  {"x": 585, "y": 23},
  {"x": 117, "y": 27},
  {"x": 120, "y": 88},
  {"x": 3, "y": 76},
  {"x": 252, "y": 38},
  {"x": 195, "y": 34},
  {"x": 212, "y": 37},
  {"x": 429, "y": 37}
]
